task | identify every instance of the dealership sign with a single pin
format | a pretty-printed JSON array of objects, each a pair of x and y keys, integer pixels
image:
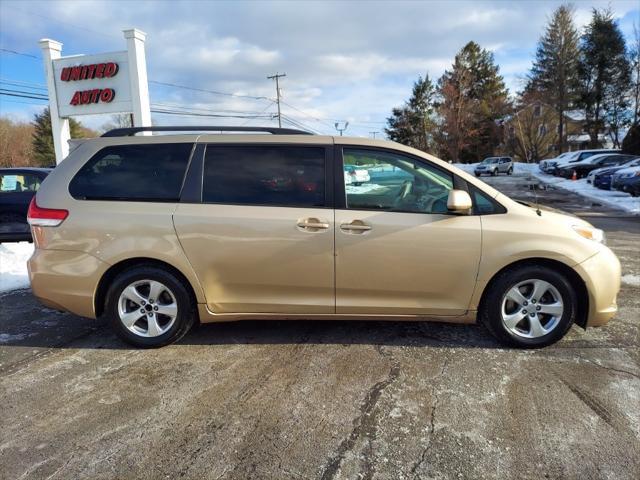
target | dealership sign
[
  {"x": 103, "y": 83},
  {"x": 91, "y": 84}
]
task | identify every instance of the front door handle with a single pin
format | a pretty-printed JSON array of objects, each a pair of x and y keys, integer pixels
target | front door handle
[
  {"x": 312, "y": 224},
  {"x": 357, "y": 226}
]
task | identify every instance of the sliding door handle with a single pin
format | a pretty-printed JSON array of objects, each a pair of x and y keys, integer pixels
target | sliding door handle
[
  {"x": 357, "y": 226},
  {"x": 312, "y": 224}
]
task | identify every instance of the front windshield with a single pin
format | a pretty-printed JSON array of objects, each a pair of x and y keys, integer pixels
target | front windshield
[{"x": 491, "y": 160}]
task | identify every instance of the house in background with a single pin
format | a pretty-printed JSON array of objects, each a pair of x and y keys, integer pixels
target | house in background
[{"x": 531, "y": 133}]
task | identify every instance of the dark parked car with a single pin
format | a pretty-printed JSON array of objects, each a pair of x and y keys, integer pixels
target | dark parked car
[
  {"x": 17, "y": 187},
  {"x": 602, "y": 179},
  {"x": 632, "y": 186},
  {"x": 583, "y": 168}
]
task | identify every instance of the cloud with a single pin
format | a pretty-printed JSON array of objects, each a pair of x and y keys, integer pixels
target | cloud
[{"x": 344, "y": 60}]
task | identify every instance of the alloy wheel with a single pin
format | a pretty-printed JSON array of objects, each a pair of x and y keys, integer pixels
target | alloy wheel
[
  {"x": 147, "y": 308},
  {"x": 532, "y": 308}
]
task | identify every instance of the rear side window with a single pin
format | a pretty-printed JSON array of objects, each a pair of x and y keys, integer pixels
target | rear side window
[
  {"x": 21, "y": 182},
  {"x": 133, "y": 172},
  {"x": 285, "y": 176}
]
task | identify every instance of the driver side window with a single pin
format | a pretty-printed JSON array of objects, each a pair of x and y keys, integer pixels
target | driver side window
[{"x": 381, "y": 180}]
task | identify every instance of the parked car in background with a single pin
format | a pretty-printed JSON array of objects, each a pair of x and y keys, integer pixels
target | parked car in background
[
  {"x": 544, "y": 164},
  {"x": 157, "y": 233},
  {"x": 624, "y": 179},
  {"x": 355, "y": 176},
  {"x": 574, "y": 157},
  {"x": 583, "y": 168},
  {"x": 601, "y": 178},
  {"x": 633, "y": 186},
  {"x": 17, "y": 188},
  {"x": 494, "y": 165}
]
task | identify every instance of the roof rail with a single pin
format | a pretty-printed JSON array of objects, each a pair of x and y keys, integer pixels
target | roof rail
[{"x": 127, "y": 132}]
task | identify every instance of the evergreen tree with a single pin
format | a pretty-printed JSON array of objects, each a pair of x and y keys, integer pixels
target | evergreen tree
[
  {"x": 605, "y": 76},
  {"x": 554, "y": 74},
  {"x": 43, "y": 149},
  {"x": 631, "y": 143},
  {"x": 412, "y": 124},
  {"x": 472, "y": 101}
]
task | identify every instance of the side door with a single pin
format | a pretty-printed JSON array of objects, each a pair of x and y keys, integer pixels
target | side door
[
  {"x": 260, "y": 230},
  {"x": 398, "y": 249}
]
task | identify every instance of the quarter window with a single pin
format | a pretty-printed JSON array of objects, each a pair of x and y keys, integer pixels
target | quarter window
[
  {"x": 285, "y": 176},
  {"x": 152, "y": 172},
  {"x": 379, "y": 180}
]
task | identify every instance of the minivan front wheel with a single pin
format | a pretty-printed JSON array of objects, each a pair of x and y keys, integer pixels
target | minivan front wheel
[
  {"x": 529, "y": 307},
  {"x": 149, "y": 306}
]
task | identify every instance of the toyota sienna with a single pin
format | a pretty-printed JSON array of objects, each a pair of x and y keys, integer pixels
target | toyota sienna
[{"x": 158, "y": 232}]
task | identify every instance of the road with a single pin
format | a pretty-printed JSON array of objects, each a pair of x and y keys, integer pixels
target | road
[{"x": 324, "y": 400}]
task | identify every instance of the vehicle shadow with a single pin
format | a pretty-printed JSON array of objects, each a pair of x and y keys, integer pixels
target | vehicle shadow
[
  {"x": 341, "y": 332},
  {"x": 26, "y": 323}
]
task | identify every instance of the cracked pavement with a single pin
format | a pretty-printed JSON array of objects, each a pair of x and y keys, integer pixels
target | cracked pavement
[{"x": 326, "y": 400}]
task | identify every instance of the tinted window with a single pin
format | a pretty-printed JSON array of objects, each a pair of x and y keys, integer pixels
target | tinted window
[
  {"x": 133, "y": 172},
  {"x": 19, "y": 182},
  {"x": 392, "y": 182},
  {"x": 286, "y": 176}
]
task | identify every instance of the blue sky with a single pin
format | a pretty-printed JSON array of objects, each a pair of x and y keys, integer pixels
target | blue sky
[{"x": 345, "y": 61}]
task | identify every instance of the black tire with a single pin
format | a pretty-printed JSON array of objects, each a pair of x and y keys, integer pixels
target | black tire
[
  {"x": 510, "y": 171},
  {"x": 477, "y": 175},
  {"x": 494, "y": 173},
  {"x": 490, "y": 312},
  {"x": 186, "y": 306}
]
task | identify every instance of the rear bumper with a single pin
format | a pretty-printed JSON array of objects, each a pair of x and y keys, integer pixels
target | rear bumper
[
  {"x": 66, "y": 280},
  {"x": 601, "y": 274}
]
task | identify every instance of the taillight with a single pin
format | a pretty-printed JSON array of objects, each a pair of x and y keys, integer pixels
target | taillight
[{"x": 45, "y": 217}]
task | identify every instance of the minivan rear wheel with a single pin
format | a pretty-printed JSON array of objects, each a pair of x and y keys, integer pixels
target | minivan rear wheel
[
  {"x": 529, "y": 307},
  {"x": 148, "y": 306}
]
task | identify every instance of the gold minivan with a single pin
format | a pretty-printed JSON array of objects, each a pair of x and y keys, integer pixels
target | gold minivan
[{"x": 158, "y": 232}]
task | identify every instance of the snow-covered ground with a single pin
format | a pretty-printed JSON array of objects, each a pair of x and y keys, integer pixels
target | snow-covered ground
[
  {"x": 13, "y": 265},
  {"x": 581, "y": 187}
]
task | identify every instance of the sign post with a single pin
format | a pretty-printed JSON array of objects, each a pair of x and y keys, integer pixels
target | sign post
[
  {"x": 114, "y": 82},
  {"x": 138, "y": 77},
  {"x": 59, "y": 125}
]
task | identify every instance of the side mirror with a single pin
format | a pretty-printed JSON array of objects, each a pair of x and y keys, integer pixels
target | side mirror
[{"x": 459, "y": 201}]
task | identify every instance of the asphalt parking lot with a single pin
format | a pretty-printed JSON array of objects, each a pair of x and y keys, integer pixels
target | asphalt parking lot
[{"x": 325, "y": 400}]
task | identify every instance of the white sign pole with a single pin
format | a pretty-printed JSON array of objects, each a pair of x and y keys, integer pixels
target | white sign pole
[
  {"x": 59, "y": 126},
  {"x": 138, "y": 77}
]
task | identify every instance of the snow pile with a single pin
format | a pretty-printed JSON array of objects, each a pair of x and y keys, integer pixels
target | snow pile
[
  {"x": 614, "y": 198},
  {"x": 631, "y": 280},
  {"x": 13, "y": 265}
]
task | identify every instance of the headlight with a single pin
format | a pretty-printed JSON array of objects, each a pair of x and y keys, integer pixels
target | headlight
[{"x": 590, "y": 233}]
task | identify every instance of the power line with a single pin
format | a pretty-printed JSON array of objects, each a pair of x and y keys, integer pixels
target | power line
[
  {"x": 20, "y": 83},
  {"x": 22, "y": 94},
  {"x": 209, "y": 115},
  {"x": 277, "y": 77},
  {"x": 206, "y": 110},
  {"x": 214, "y": 92},
  {"x": 299, "y": 124},
  {"x": 19, "y": 53}
]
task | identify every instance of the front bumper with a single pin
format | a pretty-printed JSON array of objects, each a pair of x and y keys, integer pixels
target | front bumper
[
  {"x": 66, "y": 280},
  {"x": 601, "y": 275}
]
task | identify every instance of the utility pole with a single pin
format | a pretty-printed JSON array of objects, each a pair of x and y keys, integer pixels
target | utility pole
[
  {"x": 276, "y": 77},
  {"x": 373, "y": 134},
  {"x": 337, "y": 125}
]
